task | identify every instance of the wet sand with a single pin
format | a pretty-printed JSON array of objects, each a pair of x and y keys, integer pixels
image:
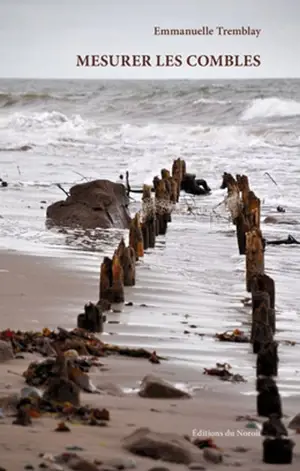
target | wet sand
[{"x": 36, "y": 292}]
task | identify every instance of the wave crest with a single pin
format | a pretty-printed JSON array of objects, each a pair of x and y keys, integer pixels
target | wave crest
[
  {"x": 271, "y": 107},
  {"x": 45, "y": 120}
]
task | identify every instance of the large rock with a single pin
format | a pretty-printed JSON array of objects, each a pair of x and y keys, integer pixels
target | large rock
[
  {"x": 6, "y": 351},
  {"x": 99, "y": 203},
  {"x": 157, "y": 388},
  {"x": 162, "y": 446}
]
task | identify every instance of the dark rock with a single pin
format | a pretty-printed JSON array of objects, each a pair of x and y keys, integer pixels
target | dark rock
[
  {"x": 99, "y": 203},
  {"x": 213, "y": 455},
  {"x": 162, "y": 446},
  {"x": 120, "y": 463},
  {"x": 155, "y": 387},
  {"x": 75, "y": 462},
  {"x": 196, "y": 467},
  {"x": 194, "y": 186}
]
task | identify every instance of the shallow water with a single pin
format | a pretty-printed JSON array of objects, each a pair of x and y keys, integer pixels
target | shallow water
[{"x": 194, "y": 277}]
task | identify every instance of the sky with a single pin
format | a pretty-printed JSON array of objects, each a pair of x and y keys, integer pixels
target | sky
[{"x": 42, "y": 38}]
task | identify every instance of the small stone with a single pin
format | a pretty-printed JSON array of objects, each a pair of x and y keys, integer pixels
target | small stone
[
  {"x": 106, "y": 468},
  {"x": 240, "y": 449},
  {"x": 62, "y": 427},
  {"x": 197, "y": 467},
  {"x": 101, "y": 414},
  {"x": 43, "y": 466},
  {"x": 212, "y": 455},
  {"x": 28, "y": 466},
  {"x": 75, "y": 448},
  {"x": 159, "y": 468},
  {"x": 121, "y": 463}
]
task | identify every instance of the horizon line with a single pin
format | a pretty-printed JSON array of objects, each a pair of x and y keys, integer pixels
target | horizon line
[{"x": 143, "y": 79}]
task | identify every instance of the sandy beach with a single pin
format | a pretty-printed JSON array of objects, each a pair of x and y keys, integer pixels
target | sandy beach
[{"x": 38, "y": 286}]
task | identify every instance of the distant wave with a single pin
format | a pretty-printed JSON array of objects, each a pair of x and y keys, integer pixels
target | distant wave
[
  {"x": 211, "y": 101},
  {"x": 45, "y": 120},
  {"x": 271, "y": 107},
  {"x": 12, "y": 99}
]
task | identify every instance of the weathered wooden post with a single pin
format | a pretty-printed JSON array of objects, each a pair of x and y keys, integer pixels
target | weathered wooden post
[
  {"x": 117, "y": 286},
  {"x": 277, "y": 448},
  {"x": 267, "y": 360},
  {"x": 162, "y": 205},
  {"x": 261, "y": 331},
  {"x": 254, "y": 256},
  {"x": 127, "y": 260},
  {"x": 178, "y": 168},
  {"x": 105, "y": 280},
  {"x": 136, "y": 237},
  {"x": 265, "y": 284},
  {"x": 242, "y": 223},
  {"x": 149, "y": 216},
  {"x": 92, "y": 319},
  {"x": 166, "y": 177},
  {"x": 268, "y": 398},
  {"x": 235, "y": 207}
]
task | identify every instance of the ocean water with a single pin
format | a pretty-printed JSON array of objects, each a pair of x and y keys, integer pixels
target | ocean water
[{"x": 193, "y": 282}]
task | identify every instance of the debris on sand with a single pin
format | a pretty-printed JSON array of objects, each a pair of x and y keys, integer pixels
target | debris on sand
[
  {"x": 48, "y": 343},
  {"x": 223, "y": 373},
  {"x": 234, "y": 336}
]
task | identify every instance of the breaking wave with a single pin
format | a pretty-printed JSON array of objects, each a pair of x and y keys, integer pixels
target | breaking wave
[
  {"x": 271, "y": 108},
  {"x": 45, "y": 120},
  {"x": 12, "y": 99}
]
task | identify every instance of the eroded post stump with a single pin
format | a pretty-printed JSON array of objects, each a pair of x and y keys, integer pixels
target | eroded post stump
[
  {"x": 136, "y": 237},
  {"x": 267, "y": 360},
  {"x": 268, "y": 399},
  {"x": 254, "y": 256},
  {"x": 92, "y": 319}
]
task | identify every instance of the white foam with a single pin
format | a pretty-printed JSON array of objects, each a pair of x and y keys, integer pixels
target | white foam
[{"x": 271, "y": 107}]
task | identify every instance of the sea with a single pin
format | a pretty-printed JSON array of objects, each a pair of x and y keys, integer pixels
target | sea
[{"x": 193, "y": 283}]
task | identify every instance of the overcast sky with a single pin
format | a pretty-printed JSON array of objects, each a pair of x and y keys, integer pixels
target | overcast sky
[{"x": 41, "y": 38}]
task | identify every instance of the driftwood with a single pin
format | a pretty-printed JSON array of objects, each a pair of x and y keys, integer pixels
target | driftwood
[{"x": 288, "y": 241}]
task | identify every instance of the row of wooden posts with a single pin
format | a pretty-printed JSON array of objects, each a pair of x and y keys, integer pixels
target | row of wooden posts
[
  {"x": 147, "y": 224},
  {"x": 245, "y": 209}
]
